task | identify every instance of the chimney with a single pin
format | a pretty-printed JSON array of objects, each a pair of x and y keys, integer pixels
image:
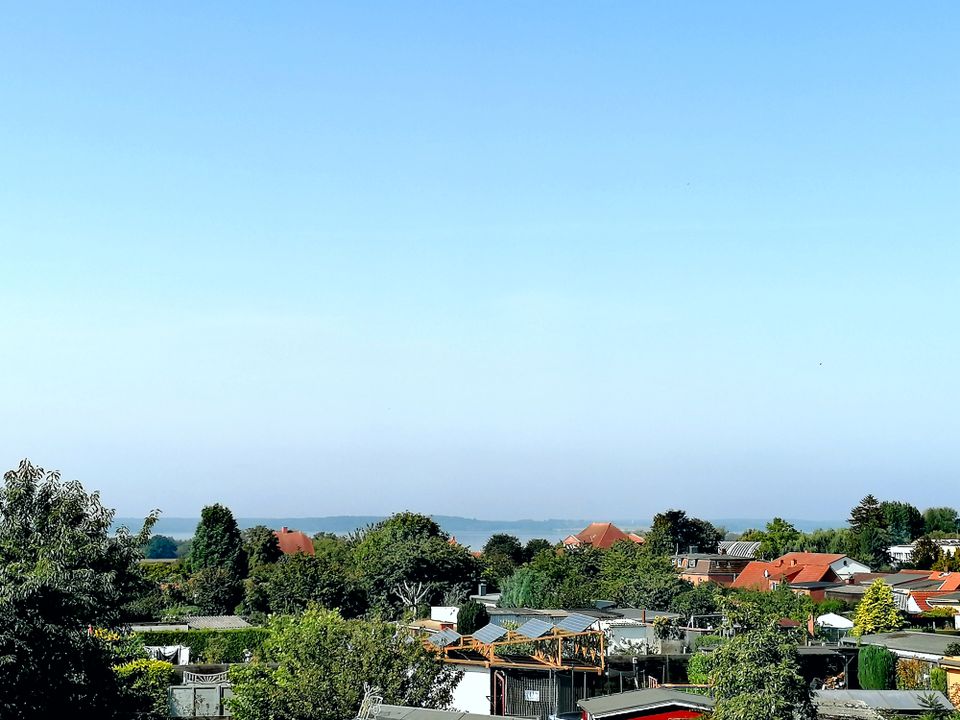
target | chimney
[
  {"x": 284, "y": 529},
  {"x": 482, "y": 588}
]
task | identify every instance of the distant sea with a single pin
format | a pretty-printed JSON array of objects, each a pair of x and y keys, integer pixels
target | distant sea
[{"x": 469, "y": 531}]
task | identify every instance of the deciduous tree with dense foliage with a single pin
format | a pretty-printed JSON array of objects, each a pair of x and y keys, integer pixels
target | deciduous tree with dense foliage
[
  {"x": 412, "y": 549},
  {"x": 756, "y": 677},
  {"x": 261, "y": 546},
  {"x": 673, "y": 530},
  {"x": 323, "y": 662},
  {"x": 161, "y": 547},
  {"x": 877, "y": 611},
  {"x": 632, "y": 576},
  {"x": 925, "y": 553},
  {"x": 61, "y": 573}
]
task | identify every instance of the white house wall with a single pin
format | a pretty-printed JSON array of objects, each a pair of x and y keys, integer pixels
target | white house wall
[{"x": 472, "y": 695}]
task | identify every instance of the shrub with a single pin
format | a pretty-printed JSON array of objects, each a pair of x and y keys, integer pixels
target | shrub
[
  {"x": 471, "y": 617},
  {"x": 699, "y": 669},
  {"x": 952, "y": 650},
  {"x": 876, "y": 667},
  {"x": 144, "y": 684},
  {"x": 911, "y": 674},
  {"x": 704, "y": 641},
  {"x": 226, "y": 645},
  {"x": 938, "y": 679}
]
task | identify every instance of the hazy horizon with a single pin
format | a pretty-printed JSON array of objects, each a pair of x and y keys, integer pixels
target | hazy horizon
[{"x": 495, "y": 260}]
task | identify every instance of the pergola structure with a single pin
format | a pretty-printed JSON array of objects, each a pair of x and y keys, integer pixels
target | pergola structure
[{"x": 535, "y": 645}]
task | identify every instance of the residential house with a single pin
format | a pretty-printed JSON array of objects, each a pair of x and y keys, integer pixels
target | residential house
[
  {"x": 293, "y": 541},
  {"x": 739, "y": 548},
  {"x": 601, "y": 536},
  {"x": 904, "y": 553},
  {"x": 719, "y": 568},
  {"x": 650, "y": 704},
  {"x": 809, "y": 573}
]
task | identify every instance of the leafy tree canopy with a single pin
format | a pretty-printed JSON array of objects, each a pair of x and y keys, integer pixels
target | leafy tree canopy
[
  {"x": 534, "y": 547},
  {"x": 261, "y": 546},
  {"x": 299, "y": 580},
  {"x": 940, "y": 519},
  {"x": 217, "y": 542},
  {"x": 161, "y": 547},
  {"x": 635, "y": 577},
  {"x": 877, "y": 611},
  {"x": 673, "y": 530},
  {"x": 902, "y": 520},
  {"x": 868, "y": 513},
  {"x": 925, "y": 553},
  {"x": 323, "y": 663},
  {"x": 505, "y": 544},
  {"x": 61, "y": 572},
  {"x": 756, "y": 677}
]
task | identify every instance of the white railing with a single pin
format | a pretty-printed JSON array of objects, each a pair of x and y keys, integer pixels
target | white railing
[{"x": 190, "y": 678}]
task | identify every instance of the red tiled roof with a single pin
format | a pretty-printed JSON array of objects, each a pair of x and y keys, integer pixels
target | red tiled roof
[
  {"x": 809, "y": 558},
  {"x": 813, "y": 573},
  {"x": 601, "y": 535},
  {"x": 951, "y": 580},
  {"x": 921, "y": 598},
  {"x": 753, "y": 575},
  {"x": 293, "y": 541}
]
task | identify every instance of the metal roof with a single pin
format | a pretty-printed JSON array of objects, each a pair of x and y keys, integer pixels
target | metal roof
[
  {"x": 216, "y": 622},
  {"x": 396, "y": 712},
  {"x": 644, "y": 700},
  {"x": 896, "y": 700},
  {"x": 918, "y": 643},
  {"x": 740, "y": 548}
]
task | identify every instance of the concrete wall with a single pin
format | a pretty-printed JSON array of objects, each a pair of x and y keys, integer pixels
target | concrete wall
[{"x": 472, "y": 695}]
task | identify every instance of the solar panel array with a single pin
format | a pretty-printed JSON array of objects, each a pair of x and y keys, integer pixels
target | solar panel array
[
  {"x": 444, "y": 638},
  {"x": 534, "y": 628},
  {"x": 490, "y": 633},
  {"x": 576, "y": 623}
]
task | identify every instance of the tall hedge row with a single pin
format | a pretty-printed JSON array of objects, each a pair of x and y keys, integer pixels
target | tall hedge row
[{"x": 211, "y": 646}]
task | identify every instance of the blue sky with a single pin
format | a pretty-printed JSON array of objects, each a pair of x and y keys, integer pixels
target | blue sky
[{"x": 490, "y": 259}]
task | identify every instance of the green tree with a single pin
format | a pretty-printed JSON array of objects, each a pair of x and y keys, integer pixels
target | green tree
[
  {"x": 412, "y": 549},
  {"x": 214, "y": 591},
  {"x": 534, "y": 547},
  {"x": 779, "y": 538},
  {"x": 161, "y": 547},
  {"x": 902, "y": 520},
  {"x": 755, "y": 610},
  {"x": 876, "y": 668},
  {"x": 673, "y": 530},
  {"x": 925, "y": 553},
  {"x": 299, "y": 580},
  {"x": 834, "y": 541},
  {"x": 940, "y": 519},
  {"x": 144, "y": 686},
  {"x": 868, "y": 513},
  {"x": 702, "y": 599},
  {"x": 505, "y": 544},
  {"x": 61, "y": 572},
  {"x": 217, "y": 542},
  {"x": 756, "y": 677},
  {"x": 877, "y": 611},
  {"x": 471, "y": 617},
  {"x": 555, "y": 580},
  {"x": 323, "y": 662},
  {"x": 634, "y": 577},
  {"x": 261, "y": 546},
  {"x": 871, "y": 546},
  {"x": 700, "y": 668}
]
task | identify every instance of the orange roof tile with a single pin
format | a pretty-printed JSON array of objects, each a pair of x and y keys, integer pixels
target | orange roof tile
[
  {"x": 758, "y": 574},
  {"x": 809, "y": 558},
  {"x": 813, "y": 573},
  {"x": 600, "y": 535},
  {"x": 951, "y": 580},
  {"x": 293, "y": 541}
]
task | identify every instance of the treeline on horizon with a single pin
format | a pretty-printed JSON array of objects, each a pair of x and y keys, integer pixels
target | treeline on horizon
[{"x": 405, "y": 563}]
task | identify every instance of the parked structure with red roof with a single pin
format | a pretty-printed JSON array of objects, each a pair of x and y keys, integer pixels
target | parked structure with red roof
[
  {"x": 601, "y": 536},
  {"x": 293, "y": 541}
]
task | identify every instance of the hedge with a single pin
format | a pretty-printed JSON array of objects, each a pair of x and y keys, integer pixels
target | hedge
[{"x": 211, "y": 646}]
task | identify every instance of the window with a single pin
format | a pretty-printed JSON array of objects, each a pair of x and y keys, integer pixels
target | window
[{"x": 691, "y": 563}]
